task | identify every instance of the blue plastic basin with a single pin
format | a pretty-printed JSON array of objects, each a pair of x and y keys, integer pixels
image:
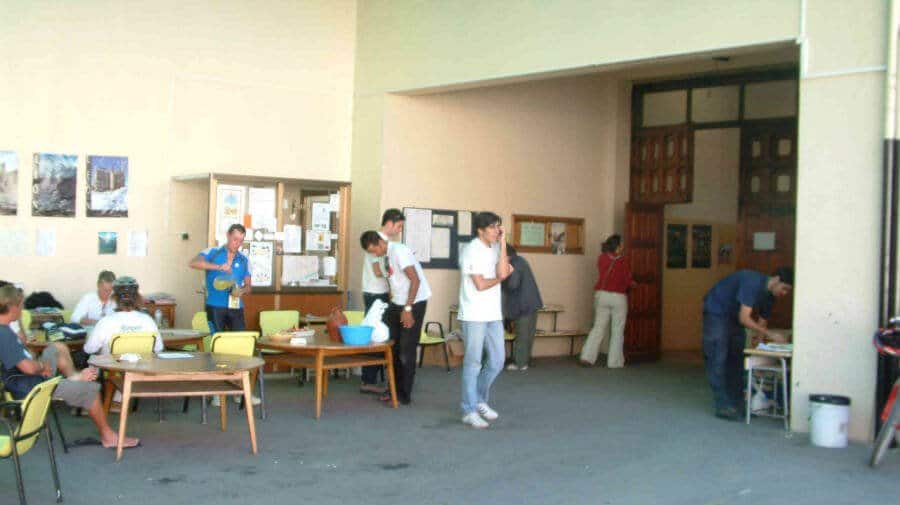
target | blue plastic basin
[{"x": 356, "y": 335}]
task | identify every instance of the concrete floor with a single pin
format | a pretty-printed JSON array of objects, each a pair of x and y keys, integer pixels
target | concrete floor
[{"x": 641, "y": 435}]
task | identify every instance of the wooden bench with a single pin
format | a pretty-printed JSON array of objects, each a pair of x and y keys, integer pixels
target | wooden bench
[{"x": 570, "y": 334}]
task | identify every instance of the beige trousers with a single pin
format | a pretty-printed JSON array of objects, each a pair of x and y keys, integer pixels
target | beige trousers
[{"x": 610, "y": 312}]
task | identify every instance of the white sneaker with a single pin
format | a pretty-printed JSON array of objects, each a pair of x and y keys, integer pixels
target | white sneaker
[
  {"x": 512, "y": 366},
  {"x": 253, "y": 399},
  {"x": 215, "y": 402},
  {"x": 487, "y": 412},
  {"x": 475, "y": 421},
  {"x": 523, "y": 368}
]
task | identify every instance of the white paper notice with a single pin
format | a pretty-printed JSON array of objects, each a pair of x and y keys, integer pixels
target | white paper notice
[
  {"x": 292, "y": 237},
  {"x": 261, "y": 206},
  {"x": 229, "y": 208},
  {"x": 764, "y": 241},
  {"x": 321, "y": 216},
  {"x": 334, "y": 201},
  {"x": 12, "y": 242},
  {"x": 441, "y": 220},
  {"x": 137, "y": 243},
  {"x": 417, "y": 233},
  {"x": 45, "y": 244},
  {"x": 260, "y": 257},
  {"x": 318, "y": 240},
  {"x": 440, "y": 243},
  {"x": 464, "y": 223},
  {"x": 329, "y": 266},
  {"x": 299, "y": 269}
]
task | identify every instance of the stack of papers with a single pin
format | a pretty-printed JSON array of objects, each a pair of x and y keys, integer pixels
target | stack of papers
[
  {"x": 298, "y": 341},
  {"x": 775, "y": 347},
  {"x": 174, "y": 355}
]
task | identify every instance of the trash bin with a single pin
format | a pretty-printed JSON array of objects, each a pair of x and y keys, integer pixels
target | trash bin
[{"x": 829, "y": 416}]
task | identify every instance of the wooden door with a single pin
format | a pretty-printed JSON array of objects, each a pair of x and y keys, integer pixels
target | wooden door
[
  {"x": 644, "y": 246},
  {"x": 767, "y": 203}
]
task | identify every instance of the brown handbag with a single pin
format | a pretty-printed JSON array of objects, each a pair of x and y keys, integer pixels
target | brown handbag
[{"x": 335, "y": 320}]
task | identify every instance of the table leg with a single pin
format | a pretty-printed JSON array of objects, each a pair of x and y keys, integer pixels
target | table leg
[
  {"x": 248, "y": 405},
  {"x": 320, "y": 362},
  {"x": 784, "y": 395},
  {"x": 749, "y": 366},
  {"x": 262, "y": 390},
  {"x": 223, "y": 414},
  {"x": 123, "y": 415},
  {"x": 389, "y": 358},
  {"x": 200, "y": 346},
  {"x": 108, "y": 391}
]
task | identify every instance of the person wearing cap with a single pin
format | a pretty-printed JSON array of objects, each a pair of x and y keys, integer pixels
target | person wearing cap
[
  {"x": 21, "y": 372},
  {"x": 126, "y": 319},
  {"x": 95, "y": 305},
  {"x": 742, "y": 300},
  {"x": 225, "y": 307}
]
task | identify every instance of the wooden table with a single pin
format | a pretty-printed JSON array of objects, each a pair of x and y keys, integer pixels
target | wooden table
[
  {"x": 553, "y": 310},
  {"x": 321, "y": 354},
  {"x": 172, "y": 338},
  {"x": 783, "y": 358},
  {"x": 203, "y": 374}
]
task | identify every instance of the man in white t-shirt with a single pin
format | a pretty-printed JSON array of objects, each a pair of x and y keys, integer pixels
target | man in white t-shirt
[
  {"x": 127, "y": 320},
  {"x": 409, "y": 296},
  {"x": 95, "y": 305},
  {"x": 483, "y": 266},
  {"x": 375, "y": 287}
]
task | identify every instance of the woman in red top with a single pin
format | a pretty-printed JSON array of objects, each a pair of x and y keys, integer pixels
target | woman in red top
[{"x": 610, "y": 305}]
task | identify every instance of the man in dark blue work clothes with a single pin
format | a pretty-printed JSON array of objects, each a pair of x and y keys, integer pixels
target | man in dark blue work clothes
[{"x": 728, "y": 308}]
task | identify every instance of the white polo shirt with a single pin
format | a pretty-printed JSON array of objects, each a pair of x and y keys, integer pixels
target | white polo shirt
[
  {"x": 120, "y": 322},
  {"x": 91, "y": 307},
  {"x": 370, "y": 282},
  {"x": 399, "y": 257},
  {"x": 479, "y": 306}
]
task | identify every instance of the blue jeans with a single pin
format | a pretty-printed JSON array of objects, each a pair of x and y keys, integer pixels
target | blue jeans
[
  {"x": 723, "y": 353},
  {"x": 483, "y": 361}
]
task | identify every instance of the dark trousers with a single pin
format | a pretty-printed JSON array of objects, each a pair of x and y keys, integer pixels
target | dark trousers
[
  {"x": 225, "y": 319},
  {"x": 406, "y": 340},
  {"x": 723, "y": 352},
  {"x": 370, "y": 373}
]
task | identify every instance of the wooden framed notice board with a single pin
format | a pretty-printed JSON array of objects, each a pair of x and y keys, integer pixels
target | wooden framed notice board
[
  {"x": 548, "y": 234},
  {"x": 436, "y": 236}
]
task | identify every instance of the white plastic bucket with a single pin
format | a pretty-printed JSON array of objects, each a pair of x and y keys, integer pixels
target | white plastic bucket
[{"x": 829, "y": 416}]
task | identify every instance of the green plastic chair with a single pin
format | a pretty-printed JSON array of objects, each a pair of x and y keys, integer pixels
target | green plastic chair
[
  {"x": 425, "y": 340},
  {"x": 25, "y": 321},
  {"x": 137, "y": 343},
  {"x": 273, "y": 321},
  {"x": 239, "y": 343},
  {"x": 354, "y": 317},
  {"x": 67, "y": 315},
  {"x": 22, "y": 438}
]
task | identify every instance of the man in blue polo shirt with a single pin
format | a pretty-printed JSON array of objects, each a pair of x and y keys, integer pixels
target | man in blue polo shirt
[
  {"x": 742, "y": 300},
  {"x": 227, "y": 280}
]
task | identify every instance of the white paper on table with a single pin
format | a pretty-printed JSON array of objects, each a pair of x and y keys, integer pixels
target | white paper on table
[
  {"x": 261, "y": 207},
  {"x": 441, "y": 220},
  {"x": 321, "y": 216},
  {"x": 440, "y": 243},
  {"x": 12, "y": 242},
  {"x": 298, "y": 269},
  {"x": 292, "y": 237},
  {"x": 417, "y": 233},
  {"x": 45, "y": 243},
  {"x": 334, "y": 202},
  {"x": 329, "y": 266},
  {"x": 464, "y": 223},
  {"x": 318, "y": 240},
  {"x": 260, "y": 256},
  {"x": 137, "y": 243}
]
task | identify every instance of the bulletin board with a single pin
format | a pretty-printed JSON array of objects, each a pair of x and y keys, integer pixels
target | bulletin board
[
  {"x": 436, "y": 236},
  {"x": 548, "y": 234}
]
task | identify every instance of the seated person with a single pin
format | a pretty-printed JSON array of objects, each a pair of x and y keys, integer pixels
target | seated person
[
  {"x": 21, "y": 372},
  {"x": 16, "y": 326},
  {"x": 126, "y": 319},
  {"x": 96, "y": 304}
]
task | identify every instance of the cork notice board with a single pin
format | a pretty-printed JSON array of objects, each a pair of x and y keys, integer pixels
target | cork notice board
[{"x": 548, "y": 234}]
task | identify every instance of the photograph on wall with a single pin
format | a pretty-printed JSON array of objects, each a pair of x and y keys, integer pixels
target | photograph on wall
[
  {"x": 558, "y": 238},
  {"x": 676, "y": 246},
  {"x": 107, "y": 186},
  {"x": 701, "y": 246},
  {"x": 54, "y": 185},
  {"x": 9, "y": 183},
  {"x": 107, "y": 242}
]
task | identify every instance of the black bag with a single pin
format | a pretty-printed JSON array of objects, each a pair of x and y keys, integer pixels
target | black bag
[{"x": 41, "y": 299}]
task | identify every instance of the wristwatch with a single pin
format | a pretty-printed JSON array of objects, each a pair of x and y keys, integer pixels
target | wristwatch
[{"x": 407, "y": 308}]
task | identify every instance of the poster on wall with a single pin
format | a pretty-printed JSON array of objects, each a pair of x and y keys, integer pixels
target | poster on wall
[
  {"x": 260, "y": 255},
  {"x": 701, "y": 246},
  {"x": 107, "y": 186},
  {"x": 107, "y": 242},
  {"x": 676, "y": 246},
  {"x": 229, "y": 209},
  {"x": 9, "y": 183},
  {"x": 54, "y": 185}
]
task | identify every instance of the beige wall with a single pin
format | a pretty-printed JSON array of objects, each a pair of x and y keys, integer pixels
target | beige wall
[
  {"x": 538, "y": 148},
  {"x": 178, "y": 87},
  {"x": 716, "y": 168}
]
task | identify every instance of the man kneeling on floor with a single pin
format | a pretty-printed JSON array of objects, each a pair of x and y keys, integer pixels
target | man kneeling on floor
[{"x": 20, "y": 372}]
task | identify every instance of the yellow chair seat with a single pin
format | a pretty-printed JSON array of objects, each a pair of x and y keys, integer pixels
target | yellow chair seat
[
  {"x": 426, "y": 339},
  {"x": 509, "y": 337},
  {"x": 5, "y": 446}
]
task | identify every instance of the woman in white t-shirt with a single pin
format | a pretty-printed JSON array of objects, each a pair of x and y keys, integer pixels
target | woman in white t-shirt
[
  {"x": 127, "y": 320},
  {"x": 95, "y": 305}
]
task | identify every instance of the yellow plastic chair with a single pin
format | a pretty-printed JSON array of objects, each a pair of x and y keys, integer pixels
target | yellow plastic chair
[
  {"x": 354, "y": 317},
  {"x": 425, "y": 340},
  {"x": 22, "y": 438},
  {"x": 239, "y": 343},
  {"x": 67, "y": 315},
  {"x": 137, "y": 343},
  {"x": 273, "y": 321},
  {"x": 25, "y": 321},
  {"x": 509, "y": 339}
]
